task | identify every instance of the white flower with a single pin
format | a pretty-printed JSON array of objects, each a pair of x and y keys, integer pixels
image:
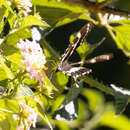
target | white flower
[{"x": 34, "y": 59}]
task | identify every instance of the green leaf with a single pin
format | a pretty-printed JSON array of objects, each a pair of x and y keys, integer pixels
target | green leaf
[
  {"x": 5, "y": 4},
  {"x": 23, "y": 32},
  {"x": 32, "y": 20},
  {"x": 86, "y": 49},
  {"x": 61, "y": 78},
  {"x": 23, "y": 91},
  {"x": 109, "y": 119},
  {"x": 95, "y": 99},
  {"x": 2, "y": 11},
  {"x": 14, "y": 37},
  {"x": 7, "y": 122},
  {"x": 60, "y": 13},
  {"x": 9, "y": 106},
  {"x": 123, "y": 38},
  {"x": 3, "y": 75},
  {"x": 48, "y": 87},
  {"x": 9, "y": 47},
  {"x": 121, "y": 99},
  {"x": 16, "y": 58},
  {"x": 9, "y": 73},
  {"x": 56, "y": 4},
  {"x": 62, "y": 125}
]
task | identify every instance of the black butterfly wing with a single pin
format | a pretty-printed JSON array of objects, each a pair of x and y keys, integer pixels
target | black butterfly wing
[
  {"x": 76, "y": 72},
  {"x": 77, "y": 41},
  {"x": 100, "y": 58}
]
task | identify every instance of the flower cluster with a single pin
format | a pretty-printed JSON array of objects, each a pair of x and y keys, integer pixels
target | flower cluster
[
  {"x": 34, "y": 59},
  {"x": 25, "y": 5},
  {"x": 29, "y": 117}
]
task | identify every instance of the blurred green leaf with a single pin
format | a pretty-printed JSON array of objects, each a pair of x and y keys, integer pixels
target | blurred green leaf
[
  {"x": 84, "y": 112},
  {"x": 61, "y": 78},
  {"x": 123, "y": 38},
  {"x": 62, "y": 125},
  {"x": 23, "y": 32},
  {"x": 9, "y": 105},
  {"x": 4, "y": 122},
  {"x": 95, "y": 99},
  {"x": 109, "y": 119},
  {"x": 7, "y": 122},
  {"x": 57, "y": 102}
]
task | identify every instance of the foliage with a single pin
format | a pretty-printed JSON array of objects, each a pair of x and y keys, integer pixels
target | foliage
[{"x": 44, "y": 94}]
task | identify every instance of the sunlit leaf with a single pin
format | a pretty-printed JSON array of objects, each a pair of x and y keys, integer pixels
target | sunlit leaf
[
  {"x": 9, "y": 47},
  {"x": 9, "y": 105},
  {"x": 95, "y": 99},
  {"x": 6, "y": 68},
  {"x": 2, "y": 10},
  {"x": 23, "y": 91},
  {"x": 56, "y": 4},
  {"x": 61, "y": 78},
  {"x": 5, "y": 4},
  {"x": 86, "y": 49},
  {"x": 7, "y": 121},
  {"x": 3, "y": 74},
  {"x": 60, "y": 13},
  {"x": 123, "y": 38},
  {"x": 32, "y": 20},
  {"x": 48, "y": 87}
]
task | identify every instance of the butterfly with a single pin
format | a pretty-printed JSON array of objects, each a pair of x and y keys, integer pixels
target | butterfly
[{"x": 70, "y": 68}]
